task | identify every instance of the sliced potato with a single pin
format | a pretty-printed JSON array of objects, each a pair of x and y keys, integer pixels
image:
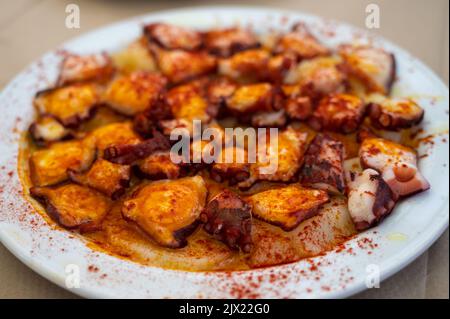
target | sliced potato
[
  {"x": 271, "y": 246},
  {"x": 202, "y": 253},
  {"x": 330, "y": 227}
]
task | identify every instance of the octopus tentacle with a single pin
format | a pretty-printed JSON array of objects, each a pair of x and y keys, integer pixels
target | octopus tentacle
[
  {"x": 228, "y": 218},
  {"x": 370, "y": 199}
]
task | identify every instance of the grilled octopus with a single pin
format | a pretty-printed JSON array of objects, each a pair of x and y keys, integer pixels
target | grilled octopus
[
  {"x": 396, "y": 163},
  {"x": 300, "y": 42},
  {"x": 173, "y": 37},
  {"x": 168, "y": 210},
  {"x": 395, "y": 114},
  {"x": 338, "y": 112},
  {"x": 121, "y": 175},
  {"x": 73, "y": 206},
  {"x": 226, "y": 42},
  {"x": 126, "y": 154},
  {"x": 374, "y": 67},
  {"x": 323, "y": 165},
  {"x": 370, "y": 198},
  {"x": 228, "y": 218},
  {"x": 76, "y": 68},
  {"x": 70, "y": 105}
]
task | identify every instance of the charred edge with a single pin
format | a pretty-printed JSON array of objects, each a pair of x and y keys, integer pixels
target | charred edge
[
  {"x": 384, "y": 199},
  {"x": 321, "y": 170},
  {"x": 235, "y": 47},
  {"x": 54, "y": 214},
  {"x": 129, "y": 153},
  {"x": 394, "y": 123},
  {"x": 392, "y": 76},
  {"x": 228, "y": 218},
  {"x": 148, "y": 32}
]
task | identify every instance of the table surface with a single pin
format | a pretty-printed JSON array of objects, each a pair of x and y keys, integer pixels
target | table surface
[{"x": 28, "y": 28}]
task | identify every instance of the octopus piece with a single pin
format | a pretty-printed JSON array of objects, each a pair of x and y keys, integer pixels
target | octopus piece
[
  {"x": 269, "y": 119},
  {"x": 394, "y": 114},
  {"x": 108, "y": 178},
  {"x": 127, "y": 154},
  {"x": 229, "y": 219},
  {"x": 114, "y": 134},
  {"x": 167, "y": 126},
  {"x": 168, "y": 211},
  {"x": 280, "y": 160},
  {"x": 287, "y": 206},
  {"x": 47, "y": 129},
  {"x": 145, "y": 122},
  {"x": 135, "y": 57},
  {"x": 236, "y": 170},
  {"x": 217, "y": 92},
  {"x": 338, "y": 112},
  {"x": 159, "y": 165},
  {"x": 298, "y": 107},
  {"x": 246, "y": 66},
  {"x": 76, "y": 68},
  {"x": 73, "y": 206},
  {"x": 202, "y": 252},
  {"x": 188, "y": 102},
  {"x": 172, "y": 37},
  {"x": 180, "y": 66},
  {"x": 49, "y": 166},
  {"x": 279, "y": 68},
  {"x": 331, "y": 226},
  {"x": 70, "y": 105},
  {"x": 374, "y": 67},
  {"x": 319, "y": 77},
  {"x": 134, "y": 93},
  {"x": 271, "y": 246},
  {"x": 396, "y": 163},
  {"x": 300, "y": 42},
  {"x": 103, "y": 116},
  {"x": 254, "y": 97},
  {"x": 369, "y": 199},
  {"x": 226, "y": 42},
  {"x": 323, "y": 165},
  {"x": 288, "y": 156},
  {"x": 363, "y": 133}
]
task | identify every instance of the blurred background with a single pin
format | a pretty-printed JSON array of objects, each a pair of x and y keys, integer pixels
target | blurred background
[{"x": 28, "y": 28}]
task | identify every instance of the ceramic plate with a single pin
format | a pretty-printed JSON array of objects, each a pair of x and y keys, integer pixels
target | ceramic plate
[{"x": 62, "y": 257}]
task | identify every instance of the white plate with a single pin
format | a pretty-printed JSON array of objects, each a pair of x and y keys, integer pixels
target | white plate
[{"x": 415, "y": 224}]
